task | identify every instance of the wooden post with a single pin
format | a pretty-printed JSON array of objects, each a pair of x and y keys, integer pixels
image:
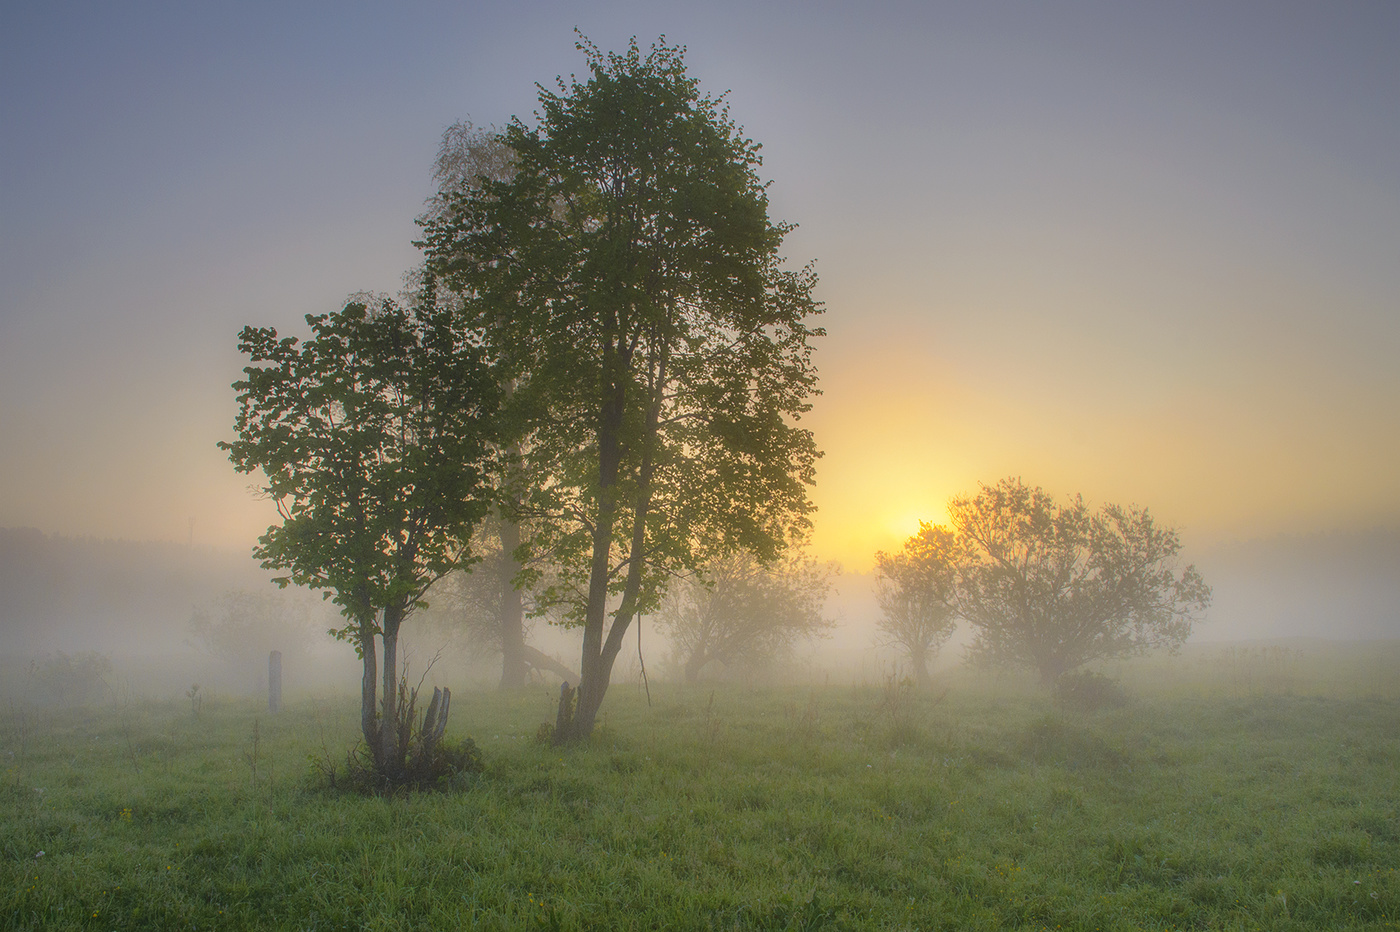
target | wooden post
[{"x": 274, "y": 682}]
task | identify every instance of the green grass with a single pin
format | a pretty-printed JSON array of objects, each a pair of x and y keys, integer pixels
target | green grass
[{"x": 754, "y": 809}]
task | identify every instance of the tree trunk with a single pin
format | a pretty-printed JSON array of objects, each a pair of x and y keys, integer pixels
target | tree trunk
[
  {"x": 391, "y": 753},
  {"x": 693, "y": 665},
  {"x": 369, "y": 711},
  {"x": 590, "y": 699},
  {"x": 514, "y": 666},
  {"x": 600, "y": 653},
  {"x": 593, "y": 673},
  {"x": 920, "y": 663},
  {"x": 541, "y": 661}
]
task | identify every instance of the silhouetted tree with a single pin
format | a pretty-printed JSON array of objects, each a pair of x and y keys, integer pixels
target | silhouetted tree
[
  {"x": 468, "y": 158},
  {"x": 627, "y": 277},
  {"x": 1053, "y": 586},
  {"x": 917, "y": 591},
  {"x": 242, "y": 626},
  {"x": 486, "y": 602},
  {"x": 739, "y": 611},
  {"x": 373, "y": 436}
]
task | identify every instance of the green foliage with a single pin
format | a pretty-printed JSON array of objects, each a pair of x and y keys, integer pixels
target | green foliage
[
  {"x": 1052, "y": 586},
  {"x": 742, "y": 613},
  {"x": 372, "y": 437},
  {"x": 626, "y": 276},
  {"x": 916, "y": 589}
]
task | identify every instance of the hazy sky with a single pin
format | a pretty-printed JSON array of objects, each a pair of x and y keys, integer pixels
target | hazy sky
[{"x": 1146, "y": 252}]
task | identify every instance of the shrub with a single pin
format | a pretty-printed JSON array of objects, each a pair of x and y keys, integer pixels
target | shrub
[
  {"x": 1089, "y": 692},
  {"x": 422, "y": 760},
  {"x": 71, "y": 679},
  {"x": 448, "y": 765}
]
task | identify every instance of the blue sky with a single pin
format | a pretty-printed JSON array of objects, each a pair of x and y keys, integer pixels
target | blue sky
[{"x": 1146, "y": 252}]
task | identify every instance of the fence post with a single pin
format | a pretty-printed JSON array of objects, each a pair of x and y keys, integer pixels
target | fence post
[{"x": 274, "y": 682}]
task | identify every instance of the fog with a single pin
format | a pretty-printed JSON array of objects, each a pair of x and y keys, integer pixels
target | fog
[{"x": 85, "y": 620}]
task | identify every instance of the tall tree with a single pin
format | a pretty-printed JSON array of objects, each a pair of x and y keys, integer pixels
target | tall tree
[
  {"x": 372, "y": 437},
  {"x": 916, "y": 589},
  {"x": 468, "y": 157},
  {"x": 739, "y": 611},
  {"x": 1052, "y": 585},
  {"x": 628, "y": 276},
  {"x": 486, "y": 603}
]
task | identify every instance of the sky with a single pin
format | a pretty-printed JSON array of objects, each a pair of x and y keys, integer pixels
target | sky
[{"x": 1149, "y": 253}]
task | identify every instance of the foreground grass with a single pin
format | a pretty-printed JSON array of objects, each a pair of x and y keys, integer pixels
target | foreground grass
[{"x": 748, "y": 809}]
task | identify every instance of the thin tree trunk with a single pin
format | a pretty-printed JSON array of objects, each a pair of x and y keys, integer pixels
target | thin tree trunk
[
  {"x": 541, "y": 661},
  {"x": 593, "y": 672},
  {"x": 597, "y": 670},
  {"x": 622, "y": 618},
  {"x": 390, "y": 751},
  {"x": 369, "y": 711},
  {"x": 514, "y": 666},
  {"x": 694, "y": 665}
]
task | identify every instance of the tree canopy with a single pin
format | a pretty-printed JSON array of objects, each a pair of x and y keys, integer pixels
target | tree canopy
[
  {"x": 1053, "y": 585},
  {"x": 917, "y": 591},
  {"x": 373, "y": 438},
  {"x": 738, "y": 611},
  {"x": 626, "y": 277}
]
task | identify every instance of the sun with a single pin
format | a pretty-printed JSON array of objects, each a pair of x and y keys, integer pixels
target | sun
[{"x": 906, "y": 524}]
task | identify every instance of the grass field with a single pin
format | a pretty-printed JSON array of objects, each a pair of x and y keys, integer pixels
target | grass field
[{"x": 1211, "y": 801}]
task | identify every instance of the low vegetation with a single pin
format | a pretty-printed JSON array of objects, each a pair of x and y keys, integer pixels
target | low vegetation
[{"x": 1197, "y": 802}]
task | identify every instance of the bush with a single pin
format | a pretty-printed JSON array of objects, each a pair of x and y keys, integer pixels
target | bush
[
  {"x": 450, "y": 765},
  {"x": 71, "y": 679},
  {"x": 421, "y": 760},
  {"x": 1089, "y": 692}
]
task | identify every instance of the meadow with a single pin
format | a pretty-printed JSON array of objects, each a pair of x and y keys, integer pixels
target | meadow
[{"x": 1237, "y": 788}]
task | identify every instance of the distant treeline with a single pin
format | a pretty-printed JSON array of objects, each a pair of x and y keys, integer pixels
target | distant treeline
[
  {"x": 115, "y": 596},
  {"x": 121, "y": 596}
]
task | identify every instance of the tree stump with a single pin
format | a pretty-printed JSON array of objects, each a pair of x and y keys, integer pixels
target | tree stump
[{"x": 564, "y": 722}]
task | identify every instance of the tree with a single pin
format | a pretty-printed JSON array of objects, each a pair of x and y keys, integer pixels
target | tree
[
  {"x": 738, "y": 610},
  {"x": 627, "y": 277},
  {"x": 485, "y": 602},
  {"x": 917, "y": 592},
  {"x": 1053, "y": 586},
  {"x": 243, "y": 626},
  {"x": 372, "y": 436},
  {"x": 467, "y": 158}
]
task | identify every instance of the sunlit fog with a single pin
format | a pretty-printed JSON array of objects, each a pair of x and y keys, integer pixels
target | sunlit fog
[{"x": 916, "y": 465}]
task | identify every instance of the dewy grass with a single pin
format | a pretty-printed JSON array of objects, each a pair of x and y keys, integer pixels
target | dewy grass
[{"x": 718, "y": 809}]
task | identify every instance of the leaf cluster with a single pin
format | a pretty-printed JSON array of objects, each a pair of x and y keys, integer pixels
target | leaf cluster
[
  {"x": 1054, "y": 585},
  {"x": 626, "y": 277},
  {"x": 916, "y": 588},
  {"x": 741, "y": 610},
  {"x": 373, "y": 438}
]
